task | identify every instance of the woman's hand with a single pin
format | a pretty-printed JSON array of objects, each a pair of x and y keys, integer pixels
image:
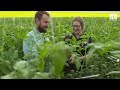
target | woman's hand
[{"x": 70, "y": 60}]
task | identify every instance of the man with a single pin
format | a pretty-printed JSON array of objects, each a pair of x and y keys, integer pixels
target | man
[
  {"x": 81, "y": 38},
  {"x": 36, "y": 36}
]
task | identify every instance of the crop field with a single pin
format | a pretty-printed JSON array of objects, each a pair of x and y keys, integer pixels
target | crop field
[{"x": 103, "y": 56}]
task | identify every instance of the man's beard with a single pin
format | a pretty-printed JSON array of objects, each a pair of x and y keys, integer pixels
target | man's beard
[{"x": 41, "y": 30}]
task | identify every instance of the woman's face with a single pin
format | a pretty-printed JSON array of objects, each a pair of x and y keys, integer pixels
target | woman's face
[{"x": 77, "y": 27}]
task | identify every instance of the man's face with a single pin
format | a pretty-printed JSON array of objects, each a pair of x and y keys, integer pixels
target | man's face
[
  {"x": 76, "y": 27},
  {"x": 43, "y": 24}
]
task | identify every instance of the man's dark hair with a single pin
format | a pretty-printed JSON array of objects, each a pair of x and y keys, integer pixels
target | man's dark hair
[
  {"x": 80, "y": 20},
  {"x": 39, "y": 14}
]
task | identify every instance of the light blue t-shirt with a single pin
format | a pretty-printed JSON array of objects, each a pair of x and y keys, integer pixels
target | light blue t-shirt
[{"x": 33, "y": 39}]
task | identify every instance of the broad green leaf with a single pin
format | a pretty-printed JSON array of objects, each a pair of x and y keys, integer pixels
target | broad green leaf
[{"x": 20, "y": 65}]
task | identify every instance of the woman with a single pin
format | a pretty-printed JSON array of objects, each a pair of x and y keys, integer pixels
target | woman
[{"x": 82, "y": 40}]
